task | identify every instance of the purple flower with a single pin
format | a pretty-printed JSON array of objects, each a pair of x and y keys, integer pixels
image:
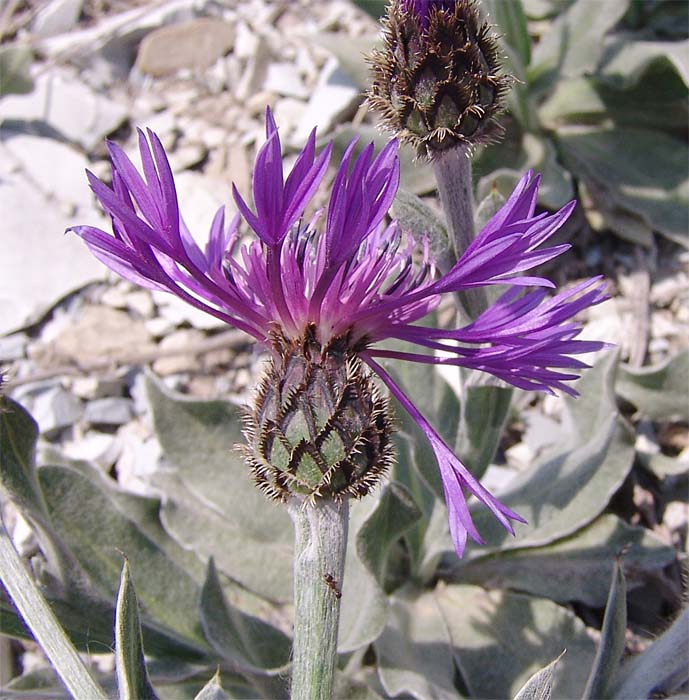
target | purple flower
[
  {"x": 348, "y": 274},
  {"x": 423, "y": 8}
]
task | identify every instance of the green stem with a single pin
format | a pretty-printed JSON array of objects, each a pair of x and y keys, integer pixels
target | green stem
[
  {"x": 452, "y": 170},
  {"x": 320, "y": 548}
]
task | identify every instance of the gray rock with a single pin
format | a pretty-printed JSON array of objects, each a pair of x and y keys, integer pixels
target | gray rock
[
  {"x": 140, "y": 458},
  {"x": 39, "y": 264},
  {"x": 334, "y": 98},
  {"x": 187, "y": 156},
  {"x": 95, "y": 387},
  {"x": 195, "y": 45},
  {"x": 113, "y": 410},
  {"x": 55, "y": 409},
  {"x": 106, "y": 51},
  {"x": 102, "y": 449},
  {"x": 68, "y": 105},
  {"x": 285, "y": 79},
  {"x": 255, "y": 71},
  {"x": 56, "y": 17}
]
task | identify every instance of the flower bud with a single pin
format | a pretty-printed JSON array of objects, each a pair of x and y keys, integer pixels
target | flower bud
[
  {"x": 319, "y": 427},
  {"x": 436, "y": 81}
]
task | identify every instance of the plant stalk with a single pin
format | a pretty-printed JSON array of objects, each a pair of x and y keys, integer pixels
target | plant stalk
[
  {"x": 319, "y": 557},
  {"x": 452, "y": 170}
]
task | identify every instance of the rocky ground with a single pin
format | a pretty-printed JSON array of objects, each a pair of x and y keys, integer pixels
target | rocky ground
[{"x": 75, "y": 341}]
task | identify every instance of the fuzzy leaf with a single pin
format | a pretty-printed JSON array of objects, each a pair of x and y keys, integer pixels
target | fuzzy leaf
[
  {"x": 43, "y": 624},
  {"x": 484, "y": 412},
  {"x": 574, "y": 43},
  {"x": 571, "y": 487},
  {"x": 611, "y": 645},
  {"x": 241, "y": 639},
  {"x": 659, "y": 669},
  {"x": 211, "y": 504},
  {"x": 132, "y": 677},
  {"x": 415, "y": 652},
  {"x": 422, "y": 221},
  {"x": 510, "y": 21},
  {"x": 364, "y": 606},
  {"x": 213, "y": 690},
  {"x": 499, "y": 639},
  {"x": 629, "y": 60},
  {"x": 575, "y": 567},
  {"x": 639, "y": 170},
  {"x": 97, "y": 533},
  {"x": 350, "y": 52},
  {"x": 395, "y": 513},
  {"x": 658, "y": 392}
]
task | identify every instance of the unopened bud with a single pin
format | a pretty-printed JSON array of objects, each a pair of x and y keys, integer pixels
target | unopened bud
[
  {"x": 437, "y": 81},
  {"x": 319, "y": 427}
]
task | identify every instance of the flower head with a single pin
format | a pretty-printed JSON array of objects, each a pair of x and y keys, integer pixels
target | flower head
[
  {"x": 436, "y": 81},
  {"x": 322, "y": 293}
]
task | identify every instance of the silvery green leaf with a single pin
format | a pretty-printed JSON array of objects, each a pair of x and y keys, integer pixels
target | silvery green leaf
[
  {"x": 395, "y": 513},
  {"x": 572, "y": 484},
  {"x": 213, "y": 690},
  {"x": 612, "y": 639},
  {"x": 641, "y": 170},
  {"x": 509, "y": 19},
  {"x": 375, "y": 8},
  {"x": 576, "y": 567},
  {"x": 44, "y": 626},
  {"x": 246, "y": 642},
  {"x": 83, "y": 512},
  {"x": 416, "y": 465},
  {"x": 364, "y": 606},
  {"x": 132, "y": 677},
  {"x": 540, "y": 685},
  {"x": 18, "y": 435},
  {"x": 661, "y": 668},
  {"x": 628, "y": 60},
  {"x": 574, "y": 43},
  {"x": 350, "y": 52},
  {"x": 657, "y": 103},
  {"x": 484, "y": 413},
  {"x": 499, "y": 639},
  {"x": 658, "y": 392},
  {"x": 348, "y": 688},
  {"x": 422, "y": 221},
  {"x": 504, "y": 169},
  {"x": 488, "y": 206},
  {"x": 211, "y": 505},
  {"x": 414, "y": 651}
]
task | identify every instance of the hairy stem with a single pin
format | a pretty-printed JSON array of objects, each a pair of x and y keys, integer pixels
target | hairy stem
[
  {"x": 452, "y": 170},
  {"x": 320, "y": 547}
]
